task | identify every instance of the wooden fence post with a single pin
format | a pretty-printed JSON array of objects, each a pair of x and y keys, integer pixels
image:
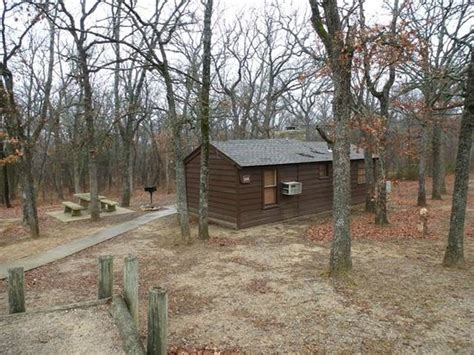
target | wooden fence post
[
  {"x": 106, "y": 276},
  {"x": 130, "y": 285},
  {"x": 157, "y": 321},
  {"x": 16, "y": 290}
]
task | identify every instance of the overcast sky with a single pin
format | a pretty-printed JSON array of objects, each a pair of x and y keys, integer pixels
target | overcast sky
[{"x": 373, "y": 8}]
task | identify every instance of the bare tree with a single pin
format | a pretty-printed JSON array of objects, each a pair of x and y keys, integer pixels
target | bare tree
[
  {"x": 129, "y": 116},
  {"x": 338, "y": 39},
  {"x": 237, "y": 50},
  {"x": 435, "y": 72},
  {"x": 84, "y": 48},
  {"x": 454, "y": 256},
  {"x": 390, "y": 39},
  {"x": 204, "y": 116},
  {"x": 26, "y": 131},
  {"x": 156, "y": 32},
  {"x": 306, "y": 104}
]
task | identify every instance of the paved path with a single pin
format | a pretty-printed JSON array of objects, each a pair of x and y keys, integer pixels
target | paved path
[{"x": 34, "y": 261}]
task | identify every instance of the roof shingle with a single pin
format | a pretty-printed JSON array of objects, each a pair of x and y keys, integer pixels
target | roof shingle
[{"x": 259, "y": 152}]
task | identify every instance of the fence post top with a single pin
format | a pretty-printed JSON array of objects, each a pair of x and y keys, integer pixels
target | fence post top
[
  {"x": 158, "y": 290},
  {"x": 16, "y": 269},
  {"x": 106, "y": 257}
]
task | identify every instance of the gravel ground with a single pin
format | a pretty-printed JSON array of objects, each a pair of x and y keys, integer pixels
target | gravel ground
[
  {"x": 266, "y": 289},
  {"x": 61, "y": 332}
]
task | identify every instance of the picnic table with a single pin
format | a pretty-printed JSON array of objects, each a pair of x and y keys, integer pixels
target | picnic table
[
  {"x": 85, "y": 198},
  {"x": 105, "y": 204}
]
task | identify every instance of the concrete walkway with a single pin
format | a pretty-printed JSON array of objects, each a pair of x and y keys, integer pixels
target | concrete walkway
[{"x": 34, "y": 261}]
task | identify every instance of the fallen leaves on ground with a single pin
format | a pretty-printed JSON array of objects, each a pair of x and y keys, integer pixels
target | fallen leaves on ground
[{"x": 403, "y": 215}]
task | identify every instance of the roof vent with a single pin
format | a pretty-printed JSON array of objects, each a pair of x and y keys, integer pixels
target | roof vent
[{"x": 305, "y": 155}]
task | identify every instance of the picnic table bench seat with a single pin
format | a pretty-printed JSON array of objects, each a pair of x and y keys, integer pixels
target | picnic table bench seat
[
  {"x": 73, "y": 208},
  {"x": 108, "y": 205}
]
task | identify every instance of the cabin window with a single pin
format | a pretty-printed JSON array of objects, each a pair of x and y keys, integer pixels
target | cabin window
[
  {"x": 269, "y": 187},
  {"x": 324, "y": 171},
  {"x": 361, "y": 173}
]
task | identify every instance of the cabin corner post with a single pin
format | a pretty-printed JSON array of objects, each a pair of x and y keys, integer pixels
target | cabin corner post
[{"x": 237, "y": 194}]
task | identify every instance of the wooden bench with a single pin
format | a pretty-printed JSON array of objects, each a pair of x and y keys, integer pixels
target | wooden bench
[
  {"x": 73, "y": 208},
  {"x": 108, "y": 205}
]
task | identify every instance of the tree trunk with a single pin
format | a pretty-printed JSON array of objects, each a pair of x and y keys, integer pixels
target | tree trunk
[
  {"x": 381, "y": 217},
  {"x": 124, "y": 131},
  {"x": 340, "y": 260},
  {"x": 29, "y": 193},
  {"x": 76, "y": 171},
  {"x": 206, "y": 85},
  {"x": 126, "y": 187},
  {"x": 167, "y": 174},
  {"x": 94, "y": 207},
  {"x": 177, "y": 126},
  {"x": 381, "y": 200},
  {"x": 454, "y": 256},
  {"x": 421, "y": 201},
  {"x": 437, "y": 183},
  {"x": 58, "y": 157},
  {"x": 6, "y": 187},
  {"x": 369, "y": 181},
  {"x": 6, "y": 183},
  {"x": 93, "y": 186},
  {"x": 15, "y": 129}
]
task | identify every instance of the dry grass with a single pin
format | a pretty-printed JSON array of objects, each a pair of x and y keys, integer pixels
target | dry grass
[
  {"x": 266, "y": 289},
  {"x": 71, "y": 331}
]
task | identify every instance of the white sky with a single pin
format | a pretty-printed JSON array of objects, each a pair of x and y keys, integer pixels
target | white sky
[{"x": 373, "y": 8}]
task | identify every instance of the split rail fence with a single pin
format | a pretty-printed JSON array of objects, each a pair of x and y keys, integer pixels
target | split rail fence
[{"x": 124, "y": 307}]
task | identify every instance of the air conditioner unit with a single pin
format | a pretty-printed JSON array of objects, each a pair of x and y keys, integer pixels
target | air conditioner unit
[{"x": 291, "y": 188}]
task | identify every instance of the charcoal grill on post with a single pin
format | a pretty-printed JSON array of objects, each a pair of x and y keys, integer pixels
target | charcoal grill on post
[{"x": 150, "y": 190}]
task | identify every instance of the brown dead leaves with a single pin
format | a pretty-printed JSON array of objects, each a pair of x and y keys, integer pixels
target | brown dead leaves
[
  {"x": 403, "y": 225},
  {"x": 404, "y": 218}
]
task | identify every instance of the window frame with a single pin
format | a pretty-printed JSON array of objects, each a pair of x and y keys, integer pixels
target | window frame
[
  {"x": 359, "y": 166},
  {"x": 324, "y": 167},
  {"x": 274, "y": 186}
]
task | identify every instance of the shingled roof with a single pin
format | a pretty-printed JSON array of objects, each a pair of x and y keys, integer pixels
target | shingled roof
[{"x": 259, "y": 152}]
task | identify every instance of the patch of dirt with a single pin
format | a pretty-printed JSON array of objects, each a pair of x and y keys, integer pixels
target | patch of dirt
[
  {"x": 265, "y": 289},
  {"x": 72, "y": 331},
  {"x": 258, "y": 286}
]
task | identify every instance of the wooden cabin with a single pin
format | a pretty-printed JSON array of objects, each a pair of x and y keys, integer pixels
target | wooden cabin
[{"x": 253, "y": 182}]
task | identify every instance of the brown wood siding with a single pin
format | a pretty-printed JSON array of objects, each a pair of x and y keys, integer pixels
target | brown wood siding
[
  {"x": 241, "y": 205},
  {"x": 316, "y": 196},
  {"x": 357, "y": 190},
  {"x": 223, "y": 204}
]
